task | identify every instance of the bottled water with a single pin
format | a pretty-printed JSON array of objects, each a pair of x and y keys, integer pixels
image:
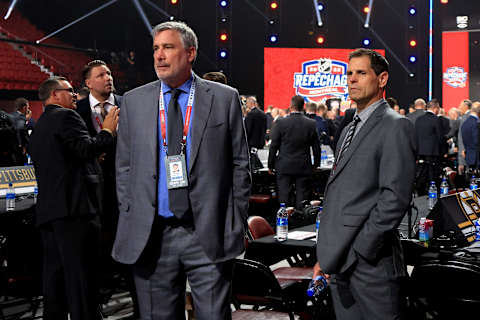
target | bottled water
[
  {"x": 432, "y": 195},
  {"x": 323, "y": 158},
  {"x": 10, "y": 198},
  {"x": 473, "y": 183},
  {"x": 317, "y": 223},
  {"x": 444, "y": 188},
  {"x": 35, "y": 193},
  {"x": 316, "y": 286},
  {"x": 282, "y": 223}
]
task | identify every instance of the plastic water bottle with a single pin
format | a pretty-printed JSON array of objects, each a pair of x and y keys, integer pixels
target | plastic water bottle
[
  {"x": 10, "y": 198},
  {"x": 317, "y": 222},
  {"x": 473, "y": 183},
  {"x": 444, "y": 188},
  {"x": 316, "y": 286},
  {"x": 35, "y": 193},
  {"x": 282, "y": 223},
  {"x": 477, "y": 230},
  {"x": 432, "y": 195},
  {"x": 323, "y": 158}
]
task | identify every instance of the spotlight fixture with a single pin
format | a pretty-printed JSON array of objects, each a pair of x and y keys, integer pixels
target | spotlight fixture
[
  {"x": 223, "y": 3},
  {"x": 366, "y": 9},
  {"x": 412, "y": 59},
  {"x": 223, "y": 36},
  {"x": 320, "y": 39},
  {"x": 273, "y": 38},
  {"x": 223, "y": 54},
  {"x": 412, "y": 11},
  {"x": 274, "y": 5},
  {"x": 366, "y": 42},
  {"x": 413, "y": 43}
]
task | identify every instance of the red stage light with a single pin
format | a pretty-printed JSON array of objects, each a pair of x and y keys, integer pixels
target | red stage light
[
  {"x": 366, "y": 9},
  {"x": 413, "y": 43},
  {"x": 274, "y": 5},
  {"x": 223, "y": 37},
  {"x": 443, "y": 1},
  {"x": 173, "y": 1},
  {"x": 320, "y": 39}
]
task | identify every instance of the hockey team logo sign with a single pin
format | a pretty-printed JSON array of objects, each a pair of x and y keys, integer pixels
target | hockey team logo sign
[
  {"x": 455, "y": 77},
  {"x": 322, "y": 79}
]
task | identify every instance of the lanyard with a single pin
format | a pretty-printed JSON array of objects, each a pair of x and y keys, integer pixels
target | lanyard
[
  {"x": 161, "y": 106},
  {"x": 99, "y": 122}
]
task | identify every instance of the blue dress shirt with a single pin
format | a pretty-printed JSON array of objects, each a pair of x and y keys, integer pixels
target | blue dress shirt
[{"x": 162, "y": 174}]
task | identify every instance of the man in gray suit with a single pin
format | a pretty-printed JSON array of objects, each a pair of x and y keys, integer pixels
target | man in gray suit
[
  {"x": 420, "y": 106},
  {"x": 366, "y": 197},
  {"x": 183, "y": 183}
]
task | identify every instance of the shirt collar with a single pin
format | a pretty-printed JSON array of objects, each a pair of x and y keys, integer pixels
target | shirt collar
[
  {"x": 474, "y": 115},
  {"x": 185, "y": 87},
  {"x": 94, "y": 102},
  {"x": 365, "y": 113}
]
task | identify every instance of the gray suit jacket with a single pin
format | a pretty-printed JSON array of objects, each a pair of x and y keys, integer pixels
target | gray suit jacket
[
  {"x": 368, "y": 194},
  {"x": 219, "y": 178}
]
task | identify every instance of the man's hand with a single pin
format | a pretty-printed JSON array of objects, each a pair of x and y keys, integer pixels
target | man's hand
[
  {"x": 270, "y": 171},
  {"x": 464, "y": 155},
  {"x": 111, "y": 120},
  {"x": 461, "y": 169},
  {"x": 317, "y": 271},
  {"x": 28, "y": 116}
]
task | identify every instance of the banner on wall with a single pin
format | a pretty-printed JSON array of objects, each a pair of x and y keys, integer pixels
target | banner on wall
[
  {"x": 455, "y": 68},
  {"x": 315, "y": 74}
]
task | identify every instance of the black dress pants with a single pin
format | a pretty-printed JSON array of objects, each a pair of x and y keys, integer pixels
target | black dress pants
[{"x": 71, "y": 257}]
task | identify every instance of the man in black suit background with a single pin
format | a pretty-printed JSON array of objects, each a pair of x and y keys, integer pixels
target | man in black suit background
[
  {"x": 69, "y": 201},
  {"x": 99, "y": 80},
  {"x": 256, "y": 127},
  {"x": 292, "y": 138},
  {"x": 430, "y": 134},
  {"x": 419, "y": 106}
]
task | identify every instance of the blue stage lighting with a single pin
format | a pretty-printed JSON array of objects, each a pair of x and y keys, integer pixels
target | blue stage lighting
[
  {"x": 223, "y": 3},
  {"x": 320, "y": 6},
  {"x": 223, "y": 54},
  {"x": 412, "y": 59},
  {"x": 412, "y": 11},
  {"x": 366, "y": 42},
  {"x": 273, "y": 38}
]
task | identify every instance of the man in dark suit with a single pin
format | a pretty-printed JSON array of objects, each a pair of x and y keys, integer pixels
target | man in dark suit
[
  {"x": 366, "y": 197},
  {"x": 186, "y": 223},
  {"x": 255, "y": 124},
  {"x": 470, "y": 138},
  {"x": 69, "y": 201},
  {"x": 321, "y": 124},
  {"x": 98, "y": 78},
  {"x": 430, "y": 134},
  {"x": 419, "y": 106},
  {"x": 292, "y": 138}
]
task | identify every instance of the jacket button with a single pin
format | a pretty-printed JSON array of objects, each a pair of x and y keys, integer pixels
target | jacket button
[{"x": 154, "y": 176}]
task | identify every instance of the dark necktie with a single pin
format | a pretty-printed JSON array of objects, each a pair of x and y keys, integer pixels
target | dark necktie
[
  {"x": 177, "y": 198},
  {"x": 348, "y": 138}
]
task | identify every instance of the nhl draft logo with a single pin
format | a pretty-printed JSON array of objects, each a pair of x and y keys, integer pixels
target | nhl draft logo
[
  {"x": 321, "y": 79},
  {"x": 455, "y": 77}
]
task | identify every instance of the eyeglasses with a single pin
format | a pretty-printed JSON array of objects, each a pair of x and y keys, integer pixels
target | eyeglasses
[{"x": 66, "y": 89}]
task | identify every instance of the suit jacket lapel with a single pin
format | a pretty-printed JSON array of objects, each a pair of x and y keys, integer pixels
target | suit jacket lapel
[
  {"x": 150, "y": 118},
  {"x": 372, "y": 121},
  {"x": 202, "y": 106}
]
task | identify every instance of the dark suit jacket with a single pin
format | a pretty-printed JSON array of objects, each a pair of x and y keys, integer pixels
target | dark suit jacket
[
  {"x": 470, "y": 140},
  {"x": 415, "y": 115},
  {"x": 322, "y": 128},
  {"x": 269, "y": 119},
  {"x": 256, "y": 126},
  {"x": 349, "y": 113},
  {"x": 110, "y": 203},
  {"x": 368, "y": 194},
  {"x": 429, "y": 131},
  {"x": 219, "y": 178},
  {"x": 292, "y": 137},
  {"x": 64, "y": 156}
]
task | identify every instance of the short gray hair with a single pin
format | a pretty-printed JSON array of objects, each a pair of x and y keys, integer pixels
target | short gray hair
[{"x": 189, "y": 38}]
